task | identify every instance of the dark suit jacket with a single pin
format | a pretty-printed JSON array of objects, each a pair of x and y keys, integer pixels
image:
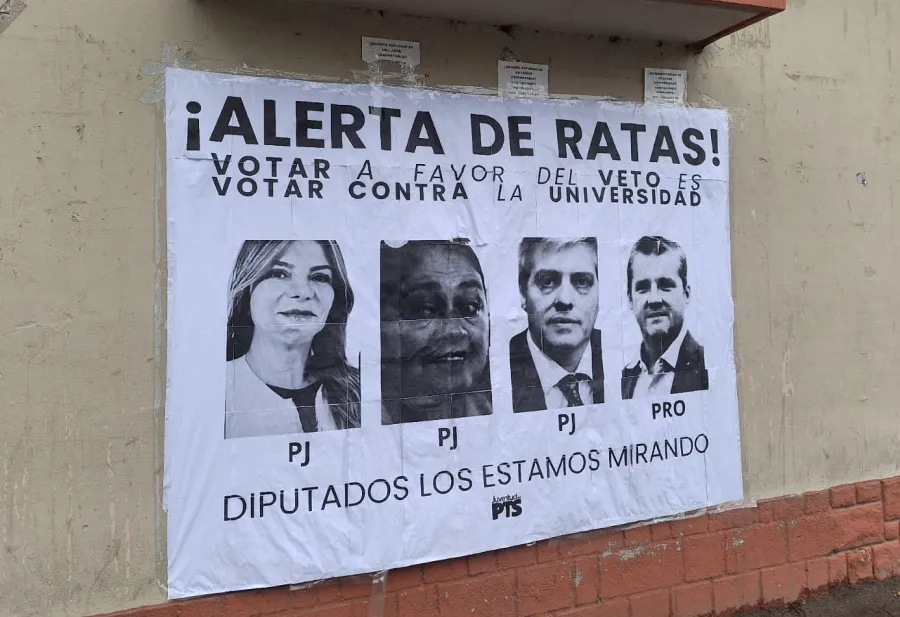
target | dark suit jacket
[
  {"x": 690, "y": 371},
  {"x": 527, "y": 393}
]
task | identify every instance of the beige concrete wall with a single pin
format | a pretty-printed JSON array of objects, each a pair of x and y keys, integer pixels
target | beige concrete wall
[{"x": 815, "y": 257}]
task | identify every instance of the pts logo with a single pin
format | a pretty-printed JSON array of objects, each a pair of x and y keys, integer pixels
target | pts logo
[{"x": 508, "y": 505}]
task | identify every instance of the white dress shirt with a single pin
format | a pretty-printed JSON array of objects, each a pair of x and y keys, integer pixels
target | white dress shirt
[
  {"x": 253, "y": 409},
  {"x": 657, "y": 380},
  {"x": 549, "y": 372}
]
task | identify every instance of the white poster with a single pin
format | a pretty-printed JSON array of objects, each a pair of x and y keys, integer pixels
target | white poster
[
  {"x": 406, "y": 326},
  {"x": 664, "y": 86},
  {"x": 521, "y": 80}
]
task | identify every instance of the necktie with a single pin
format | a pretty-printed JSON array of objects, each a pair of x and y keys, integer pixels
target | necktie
[{"x": 569, "y": 387}]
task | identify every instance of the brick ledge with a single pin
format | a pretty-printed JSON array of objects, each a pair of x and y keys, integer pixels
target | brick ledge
[{"x": 779, "y": 551}]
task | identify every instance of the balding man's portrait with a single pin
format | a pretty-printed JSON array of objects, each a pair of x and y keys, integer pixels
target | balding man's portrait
[
  {"x": 557, "y": 360},
  {"x": 669, "y": 360}
]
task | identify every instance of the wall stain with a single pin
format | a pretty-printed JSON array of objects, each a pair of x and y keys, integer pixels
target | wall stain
[{"x": 814, "y": 78}]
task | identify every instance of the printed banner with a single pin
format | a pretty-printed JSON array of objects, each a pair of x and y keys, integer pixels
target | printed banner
[{"x": 406, "y": 326}]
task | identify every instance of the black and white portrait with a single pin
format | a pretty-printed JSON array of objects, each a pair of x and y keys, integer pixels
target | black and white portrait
[
  {"x": 669, "y": 361},
  {"x": 557, "y": 360},
  {"x": 287, "y": 368},
  {"x": 435, "y": 332}
]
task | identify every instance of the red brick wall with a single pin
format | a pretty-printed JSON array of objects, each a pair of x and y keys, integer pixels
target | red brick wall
[{"x": 779, "y": 551}]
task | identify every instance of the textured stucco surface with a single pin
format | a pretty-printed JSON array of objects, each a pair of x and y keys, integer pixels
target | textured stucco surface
[{"x": 815, "y": 154}]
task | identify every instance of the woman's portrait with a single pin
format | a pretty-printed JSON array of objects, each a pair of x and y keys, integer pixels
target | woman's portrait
[
  {"x": 435, "y": 333},
  {"x": 287, "y": 368}
]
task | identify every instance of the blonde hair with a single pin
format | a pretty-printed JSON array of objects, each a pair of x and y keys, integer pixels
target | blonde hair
[{"x": 327, "y": 361}]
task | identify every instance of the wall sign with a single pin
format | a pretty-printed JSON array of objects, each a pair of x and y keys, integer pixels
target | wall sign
[{"x": 521, "y": 80}]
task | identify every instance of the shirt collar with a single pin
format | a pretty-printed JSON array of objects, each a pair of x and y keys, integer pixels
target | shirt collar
[
  {"x": 549, "y": 372},
  {"x": 670, "y": 356}
]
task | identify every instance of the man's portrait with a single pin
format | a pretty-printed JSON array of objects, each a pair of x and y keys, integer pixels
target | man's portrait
[
  {"x": 557, "y": 360},
  {"x": 669, "y": 361}
]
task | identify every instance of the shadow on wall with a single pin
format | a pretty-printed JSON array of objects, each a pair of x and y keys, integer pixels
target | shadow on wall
[{"x": 322, "y": 42}]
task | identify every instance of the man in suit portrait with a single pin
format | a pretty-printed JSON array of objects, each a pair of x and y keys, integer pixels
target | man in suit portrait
[
  {"x": 557, "y": 361},
  {"x": 669, "y": 361}
]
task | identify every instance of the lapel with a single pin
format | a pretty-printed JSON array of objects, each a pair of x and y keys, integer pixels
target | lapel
[
  {"x": 690, "y": 371},
  {"x": 629, "y": 381},
  {"x": 526, "y": 384},
  {"x": 597, "y": 366},
  {"x": 250, "y": 394},
  {"x": 688, "y": 355},
  {"x": 252, "y": 409},
  {"x": 527, "y": 394}
]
